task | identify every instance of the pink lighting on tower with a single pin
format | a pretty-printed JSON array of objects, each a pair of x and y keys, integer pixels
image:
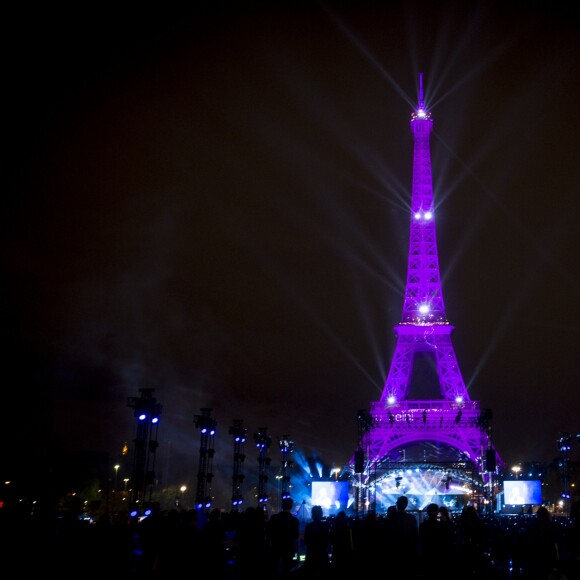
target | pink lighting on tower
[
  {"x": 453, "y": 420},
  {"x": 424, "y": 325}
]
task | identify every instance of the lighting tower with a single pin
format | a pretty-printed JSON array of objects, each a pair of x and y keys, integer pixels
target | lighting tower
[
  {"x": 239, "y": 434},
  {"x": 364, "y": 422},
  {"x": 286, "y": 447},
  {"x": 263, "y": 442},
  {"x": 206, "y": 426},
  {"x": 147, "y": 412},
  {"x": 565, "y": 446}
]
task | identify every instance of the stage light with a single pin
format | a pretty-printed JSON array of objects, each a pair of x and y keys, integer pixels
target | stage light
[{"x": 565, "y": 442}]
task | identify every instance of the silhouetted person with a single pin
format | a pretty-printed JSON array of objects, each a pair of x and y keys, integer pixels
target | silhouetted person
[
  {"x": 283, "y": 534},
  {"x": 252, "y": 545},
  {"x": 448, "y": 555},
  {"x": 119, "y": 543},
  {"x": 574, "y": 563},
  {"x": 317, "y": 544},
  {"x": 342, "y": 546},
  {"x": 405, "y": 536},
  {"x": 389, "y": 529},
  {"x": 169, "y": 544},
  {"x": 214, "y": 543},
  {"x": 181, "y": 543},
  {"x": 541, "y": 546},
  {"x": 368, "y": 542},
  {"x": 148, "y": 542},
  {"x": 472, "y": 543},
  {"x": 430, "y": 545}
]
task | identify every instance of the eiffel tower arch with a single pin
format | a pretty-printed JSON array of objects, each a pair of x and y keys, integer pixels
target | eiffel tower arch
[{"x": 440, "y": 439}]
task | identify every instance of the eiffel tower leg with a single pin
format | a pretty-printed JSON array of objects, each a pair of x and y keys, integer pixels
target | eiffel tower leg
[
  {"x": 450, "y": 379},
  {"x": 399, "y": 377}
]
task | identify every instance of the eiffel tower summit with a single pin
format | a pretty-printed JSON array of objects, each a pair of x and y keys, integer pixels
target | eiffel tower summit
[{"x": 440, "y": 449}]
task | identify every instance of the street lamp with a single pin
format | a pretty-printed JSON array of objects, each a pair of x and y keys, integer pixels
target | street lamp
[
  {"x": 116, "y": 468},
  {"x": 182, "y": 489},
  {"x": 126, "y": 481},
  {"x": 336, "y": 472},
  {"x": 516, "y": 469}
]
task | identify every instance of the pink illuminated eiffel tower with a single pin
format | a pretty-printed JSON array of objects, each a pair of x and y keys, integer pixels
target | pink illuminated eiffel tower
[{"x": 453, "y": 422}]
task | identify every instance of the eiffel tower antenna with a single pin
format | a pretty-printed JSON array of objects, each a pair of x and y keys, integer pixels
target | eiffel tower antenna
[{"x": 421, "y": 98}]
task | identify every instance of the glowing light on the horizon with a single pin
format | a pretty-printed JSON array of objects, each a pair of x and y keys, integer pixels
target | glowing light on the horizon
[{"x": 463, "y": 488}]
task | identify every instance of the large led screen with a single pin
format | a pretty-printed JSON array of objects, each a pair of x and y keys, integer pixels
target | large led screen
[
  {"x": 522, "y": 492},
  {"x": 331, "y": 495}
]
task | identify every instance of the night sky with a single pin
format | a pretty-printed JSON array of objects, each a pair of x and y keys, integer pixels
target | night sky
[{"x": 215, "y": 205}]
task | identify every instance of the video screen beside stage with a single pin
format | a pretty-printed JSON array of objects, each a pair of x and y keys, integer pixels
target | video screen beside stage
[
  {"x": 522, "y": 492},
  {"x": 331, "y": 495}
]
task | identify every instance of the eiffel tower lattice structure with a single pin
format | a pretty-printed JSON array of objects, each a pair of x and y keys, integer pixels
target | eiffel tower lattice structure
[{"x": 454, "y": 421}]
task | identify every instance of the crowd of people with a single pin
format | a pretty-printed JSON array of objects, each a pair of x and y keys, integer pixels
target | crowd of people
[{"x": 247, "y": 544}]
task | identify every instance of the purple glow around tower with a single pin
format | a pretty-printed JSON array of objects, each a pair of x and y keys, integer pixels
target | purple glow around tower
[
  {"x": 453, "y": 420},
  {"x": 424, "y": 325}
]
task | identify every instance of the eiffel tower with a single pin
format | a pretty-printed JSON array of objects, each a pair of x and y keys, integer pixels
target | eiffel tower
[{"x": 450, "y": 432}]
